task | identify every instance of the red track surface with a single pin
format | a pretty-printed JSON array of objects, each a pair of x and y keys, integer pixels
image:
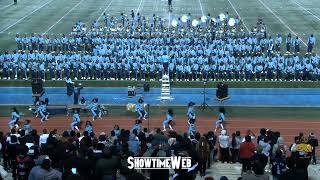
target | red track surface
[{"x": 287, "y": 128}]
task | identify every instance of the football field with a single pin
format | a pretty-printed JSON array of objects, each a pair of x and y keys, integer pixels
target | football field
[{"x": 298, "y": 17}]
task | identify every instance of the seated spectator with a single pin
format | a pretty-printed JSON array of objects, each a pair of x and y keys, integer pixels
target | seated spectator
[
  {"x": 107, "y": 166},
  {"x": 258, "y": 173},
  {"x": 44, "y": 171}
]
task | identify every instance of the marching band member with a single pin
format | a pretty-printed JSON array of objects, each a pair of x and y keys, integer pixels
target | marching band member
[
  {"x": 258, "y": 69},
  {"x": 288, "y": 43},
  {"x": 171, "y": 70},
  {"x": 270, "y": 67},
  {"x": 230, "y": 70},
  {"x": 317, "y": 73},
  {"x": 222, "y": 70},
  {"x": 248, "y": 68},
  {"x": 311, "y": 43},
  {"x": 299, "y": 67},
  {"x": 187, "y": 70},
  {"x": 195, "y": 70},
  {"x": 180, "y": 72},
  {"x": 280, "y": 69},
  {"x": 297, "y": 43},
  {"x": 289, "y": 72},
  {"x": 205, "y": 71},
  {"x": 308, "y": 71},
  {"x": 237, "y": 71},
  {"x": 278, "y": 42}
]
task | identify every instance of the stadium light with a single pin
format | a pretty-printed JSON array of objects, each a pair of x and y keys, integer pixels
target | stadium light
[
  {"x": 222, "y": 17},
  {"x": 204, "y": 18},
  {"x": 232, "y": 22},
  {"x": 174, "y": 23},
  {"x": 195, "y": 23},
  {"x": 184, "y": 18}
]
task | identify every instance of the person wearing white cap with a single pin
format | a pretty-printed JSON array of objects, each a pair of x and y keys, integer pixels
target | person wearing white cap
[{"x": 224, "y": 146}]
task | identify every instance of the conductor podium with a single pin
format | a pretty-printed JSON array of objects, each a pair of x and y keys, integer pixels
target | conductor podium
[
  {"x": 222, "y": 92},
  {"x": 37, "y": 87}
]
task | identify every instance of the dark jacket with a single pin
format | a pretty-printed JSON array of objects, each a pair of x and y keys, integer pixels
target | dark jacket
[{"x": 107, "y": 167}]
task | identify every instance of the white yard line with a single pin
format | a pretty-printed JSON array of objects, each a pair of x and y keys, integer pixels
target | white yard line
[
  {"x": 201, "y": 7},
  {"x": 2, "y": 31},
  {"x": 138, "y": 9},
  {"x": 4, "y": 7},
  {"x": 245, "y": 26},
  {"x": 282, "y": 22},
  {"x": 298, "y": 4},
  {"x": 63, "y": 16},
  {"x": 169, "y": 21},
  {"x": 104, "y": 10}
]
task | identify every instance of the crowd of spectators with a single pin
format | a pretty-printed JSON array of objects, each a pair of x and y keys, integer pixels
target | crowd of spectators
[
  {"x": 139, "y": 48},
  {"x": 74, "y": 155}
]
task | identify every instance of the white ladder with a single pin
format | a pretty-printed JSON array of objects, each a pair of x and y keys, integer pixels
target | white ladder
[{"x": 165, "y": 87}]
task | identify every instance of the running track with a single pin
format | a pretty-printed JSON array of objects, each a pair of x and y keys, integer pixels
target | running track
[{"x": 287, "y": 128}]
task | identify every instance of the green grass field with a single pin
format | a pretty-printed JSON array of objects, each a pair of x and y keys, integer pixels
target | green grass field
[
  {"x": 300, "y": 17},
  {"x": 157, "y": 84},
  {"x": 232, "y": 112}
]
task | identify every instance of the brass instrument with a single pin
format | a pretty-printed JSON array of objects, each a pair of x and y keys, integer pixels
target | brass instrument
[{"x": 119, "y": 27}]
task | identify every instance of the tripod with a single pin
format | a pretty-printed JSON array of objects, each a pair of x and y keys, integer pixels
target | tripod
[{"x": 204, "y": 104}]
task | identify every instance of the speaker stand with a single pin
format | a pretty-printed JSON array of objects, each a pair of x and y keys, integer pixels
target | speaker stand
[{"x": 204, "y": 104}]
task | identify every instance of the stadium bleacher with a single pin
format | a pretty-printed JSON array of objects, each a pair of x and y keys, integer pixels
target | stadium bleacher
[
  {"x": 136, "y": 47},
  {"x": 126, "y": 48}
]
